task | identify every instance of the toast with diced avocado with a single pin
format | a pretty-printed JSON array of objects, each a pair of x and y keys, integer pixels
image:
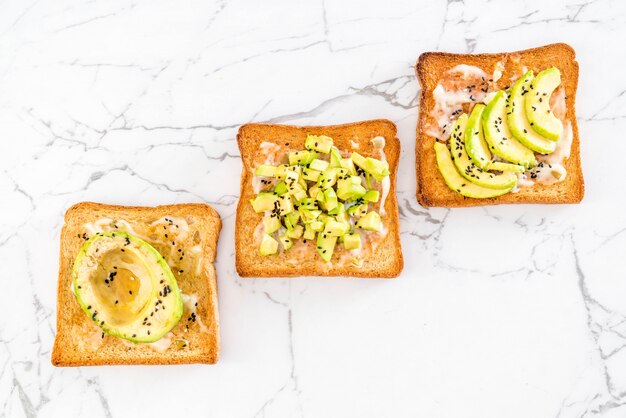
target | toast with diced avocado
[
  {"x": 137, "y": 285},
  {"x": 310, "y": 202},
  {"x": 510, "y": 131}
]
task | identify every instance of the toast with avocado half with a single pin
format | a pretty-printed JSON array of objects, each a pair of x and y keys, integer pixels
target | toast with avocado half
[
  {"x": 318, "y": 201},
  {"x": 498, "y": 128},
  {"x": 137, "y": 285}
]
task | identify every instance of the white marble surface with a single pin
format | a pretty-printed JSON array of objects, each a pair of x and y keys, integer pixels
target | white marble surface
[{"x": 515, "y": 311}]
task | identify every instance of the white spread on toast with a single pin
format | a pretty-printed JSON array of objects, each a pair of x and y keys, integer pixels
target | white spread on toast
[
  {"x": 462, "y": 86},
  {"x": 452, "y": 92},
  {"x": 162, "y": 234}
]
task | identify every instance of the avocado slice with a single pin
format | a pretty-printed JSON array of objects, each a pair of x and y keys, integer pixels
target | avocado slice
[
  {"x": 537, "y": 104},
  {"x": 475, "y": 143},
  {"x": 499, "y": 137},
  {"x": 518, "y": 122},
  {"x": 457, "y": 182},
  {"x": 125, "y": 286},
  {"x": 500, "y": 166},
  {"x": 467, "y": 168}
]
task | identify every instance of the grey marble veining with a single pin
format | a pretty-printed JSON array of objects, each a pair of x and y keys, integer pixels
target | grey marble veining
[{"x": 516, "y": 311}]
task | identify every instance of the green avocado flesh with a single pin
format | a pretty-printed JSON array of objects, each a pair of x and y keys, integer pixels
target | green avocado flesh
[
  {"x": 125, "y": 286},
  {"x": 518, "y": 122},
  {"x": 457, "y": 182},
  {"x": 537, "y": 104},
  {"x": 467, "y": 168},
  {"x": 325, "y": 199},
  {"x": 499, "y": 137},
  {"x": 475, "y": 143}
]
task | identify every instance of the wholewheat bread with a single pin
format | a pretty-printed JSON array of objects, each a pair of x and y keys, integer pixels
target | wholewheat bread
[
  {"x": 80, "y": 342},
  {"x": 386, "y": 261},
  {"x": 431, "y": 188}
]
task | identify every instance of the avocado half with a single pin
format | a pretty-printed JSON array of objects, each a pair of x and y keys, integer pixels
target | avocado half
[{"x": 125, "y": 286}]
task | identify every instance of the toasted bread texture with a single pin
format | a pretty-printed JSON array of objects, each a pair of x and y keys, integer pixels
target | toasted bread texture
[
  {"x": 431, "y": 188},
  {"x": 80, "y": 342},
  {"x": 385, "y": 262}
]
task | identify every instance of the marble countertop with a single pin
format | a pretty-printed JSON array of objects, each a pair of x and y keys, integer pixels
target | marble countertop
[{"x": 511, "y": 311}]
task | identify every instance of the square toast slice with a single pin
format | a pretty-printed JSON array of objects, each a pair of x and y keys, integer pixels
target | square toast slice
[
  {"x": 431, "y": 188},
  {"x": 387, "y": 261},
  {"x": 80, "y": 342}
]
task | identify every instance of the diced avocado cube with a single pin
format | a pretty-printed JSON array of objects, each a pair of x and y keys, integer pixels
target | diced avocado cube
[
  {"x": 359, "y": 160},
  {"x": 352, "y": 241},
  {"x": 285, "y": 205},
  {"x": 281, "y": 188},
  {"x": 355, "y": 180},
  {"x": 348, "y": 164},
  {"x": 324, "y": 218},
  {"x": 310, "y": 175},
  {"x": 296, "y": 232},
  {"x": 370, "y": 222},
  {"x": 298, "y": 193},
  {"x": 352, "y": 210},
  {"x": 291, "y": 176},
  {"x": 263, "y": 202},
  {"x": 378, "y": 169},
  {"x": 309, "y": 233},
  {"x": 336, "y": 229},
  {"x": 307, "y": 203},
  {"x": 268, "y": 245},
  {"x": 335, "y": 158},
  {"x": 291, "y": 219},
  {"x": 313, "y": 191},
  {"x": 330, "y": 199},
  {"x": 281, "y": 171},
  {"x": 320, "y": 197},
  {"x": 319, "y": 165},
  {"x": 326, "y": 246},
  {"x": 265, "y": 171},
  {"x": 351, "y": 192},
  {"x": 317, "y": 226},
  {"x": 302, "y": 157},
  {"x": 286, "y": 242},
  {"x": 371, "y": 196},
  {"x": 328, "y": 178},
  {"x": 272, "y": 224},
  {"x": 309, "y": 215},
  {"x": 339, "y": 209},
  {"x": 343, "y": 218},
  {"x": 319, "y": 143}
]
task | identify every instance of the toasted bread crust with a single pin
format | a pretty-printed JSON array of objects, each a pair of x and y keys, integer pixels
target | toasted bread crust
[
  {"x": 203, "y": 347},
  {"x": 431, "y": 188},
  {"x": 388, "y": 261}
]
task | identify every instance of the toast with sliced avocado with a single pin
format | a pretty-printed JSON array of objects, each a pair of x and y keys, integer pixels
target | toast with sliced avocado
[
  {"x": 318, "y": 201},
  {"x": 137, "y": 285},
  {"x": 507, "y": 122}
]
